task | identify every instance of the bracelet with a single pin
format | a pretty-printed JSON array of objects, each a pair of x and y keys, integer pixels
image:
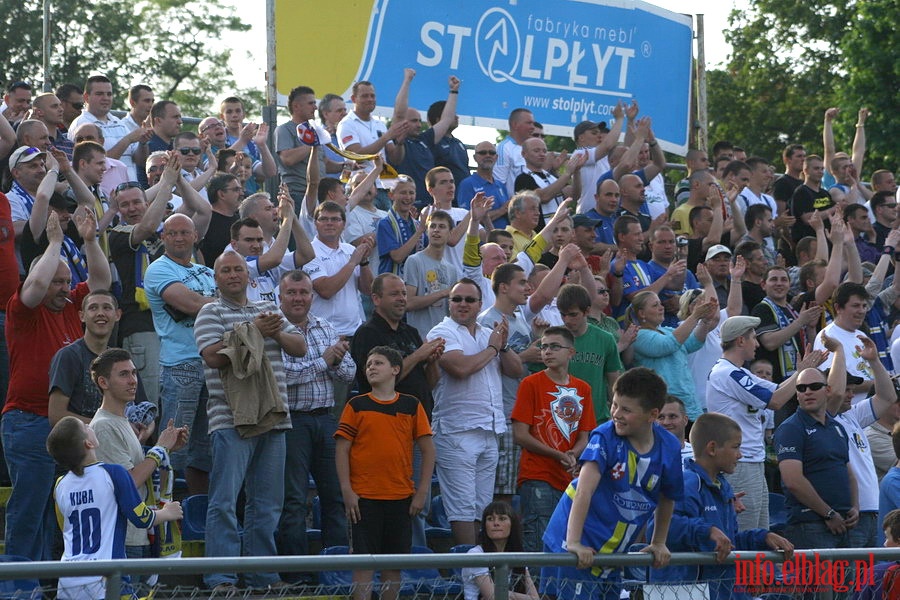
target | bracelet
[
  {"x": 365, "y": 263},
  {"x": 888, "y": 250},
  {"x": 497, "y": 350},
  {"x": 619, "y": 275},
  {"x": 52, "y": 171},
  {"x": 454, "y": 91},
  {"x": 860, "y": 125}
]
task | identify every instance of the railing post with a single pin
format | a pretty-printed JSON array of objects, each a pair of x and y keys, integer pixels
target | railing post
[
  {"x": 501, "y": 582},
  {"x": 114, "y": 586}
]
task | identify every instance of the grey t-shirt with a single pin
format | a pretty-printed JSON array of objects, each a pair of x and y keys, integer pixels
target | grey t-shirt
[
  {"x": 295, "y": 175},
  {"x": 428, "y": 276}
]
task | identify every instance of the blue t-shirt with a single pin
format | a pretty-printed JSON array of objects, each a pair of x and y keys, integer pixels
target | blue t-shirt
[
  {"x": 604, "y": 230},
  {"x": 417, "y": 161},
  {"x": 176, "y": 337},
  {"x": 392, "y": 232},
  {"x": 628, "y": 492},
  {"x": 475, "y": 183},
  {"x": 823, "y": 449},
  {"x": 656, "y": 270}
]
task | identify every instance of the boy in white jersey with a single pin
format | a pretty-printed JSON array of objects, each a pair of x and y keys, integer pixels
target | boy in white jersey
[{"x": 93, "y": 501}]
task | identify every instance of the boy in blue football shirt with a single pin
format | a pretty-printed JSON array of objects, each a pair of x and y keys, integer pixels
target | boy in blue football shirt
[{"x": 630, "y": 470}]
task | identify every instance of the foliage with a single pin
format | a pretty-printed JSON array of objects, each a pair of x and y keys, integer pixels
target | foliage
[
  {"x": 792, "y": 60},
  {"x": 175, "y": 46}
]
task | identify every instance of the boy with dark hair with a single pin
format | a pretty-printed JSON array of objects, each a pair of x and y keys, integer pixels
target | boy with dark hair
[
  {"x": 596, "y": 358},
  {"x": 886, "y": 575},
  {"x": 374, "y": 465},
  {"x": 91, "y": 518},
  {"x": 551, "y": 421},
  {"x": 631, "y": 457},
  {"x": 705, "y": 519}
]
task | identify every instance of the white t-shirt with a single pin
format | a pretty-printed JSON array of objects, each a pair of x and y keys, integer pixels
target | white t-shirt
[
  {"x": 741, "y": 395},
  {"x": 353, "y": 130},
  {"x": 856, "y": 365},
  {"x": 655, "y": 196},
  {"x": 701, "y": 361},
  {"x": 510, "y": 163},
  {"x": 855, "y": 421},
  {"x": 344, "y": 309},
  {"x": 362, "y": 221}
]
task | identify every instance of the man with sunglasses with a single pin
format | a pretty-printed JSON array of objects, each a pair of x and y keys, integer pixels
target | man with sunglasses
[
  {"x": 736, "y": 392},
  {"x": 468, "y": 407},
  {"x": 72, "y": 102},
  {"x": 190, "y": 151},
  {"x": 483, "y": 180}
]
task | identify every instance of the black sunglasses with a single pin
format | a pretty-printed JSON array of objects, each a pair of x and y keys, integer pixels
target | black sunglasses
[
  {"x": 466, "y": 299},
  {"x": 185, "y": 151},
  {"x": 486, "y": 152},
  {"x": 815, "y": 387}
]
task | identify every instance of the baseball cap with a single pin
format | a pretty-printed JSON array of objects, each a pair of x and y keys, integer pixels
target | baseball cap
[
  {"x": 63, "y": 202},
  {"x": 716, "y": 250},
  {"x": 584, "y": 126},
  {"x": 24, "y": 154},
  {"x": 584, "y": 221},
  {"x": 735, "y": 327}
]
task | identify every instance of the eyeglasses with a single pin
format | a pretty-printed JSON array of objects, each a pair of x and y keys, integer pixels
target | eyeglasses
[
  {"x": 815, "y": 387},
  {"x": 77, "y": 105},
  {"x": 232, "y": 189},
  {"x": 211, "y": 125},
  {"x": 154, "y": 169},
  {"x": 602, "y": 291},
  {"x": 486, "y": 152},
  {"x": 329, "y": 219},
  {"x": 466, "y": 299},
  {"x": 185, "y": 151},
  {"x": 127, "y": 185},
  {"x": 552, "y": 347}
]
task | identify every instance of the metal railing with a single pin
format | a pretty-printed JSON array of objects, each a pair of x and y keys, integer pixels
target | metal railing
[{"x": 501, "y": 562}]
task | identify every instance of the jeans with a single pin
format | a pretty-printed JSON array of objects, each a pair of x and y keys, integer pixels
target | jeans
[
  {"x": 257, "y": 462},
  {"x": 184, "y": 394},
  {"x": 29, "y": 512},
  {"x": 865, "y": 534},
  {"x": 144, "y": 349},
  {"x": 310, "y": 450},
  {"x": 4, "y": 384},
  {"x": 539, "y": 500},
  {"x": 419, "y": 522}
]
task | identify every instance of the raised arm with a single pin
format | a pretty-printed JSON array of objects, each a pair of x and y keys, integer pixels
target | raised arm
[
  {"x": 156, "y": 210},
  {"x": 833, "y": 271},
  {"x": 448, "y": 115},
  {"x": 42, "y": 273},
  {"x": 99, "y": 275},
  {"x": 279, "y": 246},
  {"x": 629, "y": 159},
  {"x": 828, "y": 137},
  {"x": 657, "y": 158},
  {"x": 269, "y": 168}
]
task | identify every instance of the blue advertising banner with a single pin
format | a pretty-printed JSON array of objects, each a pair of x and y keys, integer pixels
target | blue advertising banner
[{"x": 565, "y": 60}]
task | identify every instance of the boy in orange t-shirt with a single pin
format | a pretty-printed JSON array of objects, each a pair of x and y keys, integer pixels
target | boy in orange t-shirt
[
  {"x": 374, "y": 464},
  {"x": 552, "y": 419}
]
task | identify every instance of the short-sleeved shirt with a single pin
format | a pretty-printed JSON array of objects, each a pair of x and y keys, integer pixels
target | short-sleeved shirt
[
  {"x": 417, "y": 161},
  {"x": 451, "y": 153},
  {"x": 741, "y": 395},
  {"x": 806, "y": 200},
  {"x": 518, "y": 340},
  {"x": 596, "y": 355},
  {"x": 629, "y": 490},
  {"x": 177, "y": 343},
  {"x": 406, "y": 340},
  {"x": 353, "y": 130},
  {"x": 120, "y": 446},
  {"x": 33, "y": 336},
  {"x": 555, "y": 414},
  {"x": 538, "y": 180},
  {"x": 510, "y": 163},
  {"x": 428, "y": 276},
  {"x": 344, "y": 309},
  {"x": 295, "y": 175},
  {"x": 475, "y": 402},
  {"x": 495, "y": 189},
  {"x": 132, "y": 264},
  {"x": 382, "y": 433},
  {"x": 213, "y": 321},
  {"x": 823, "y": 450},
  {"x": 92, "y": 510},
  {"x": 854, "y": 421},
  {"x": 603, "y": 232}
]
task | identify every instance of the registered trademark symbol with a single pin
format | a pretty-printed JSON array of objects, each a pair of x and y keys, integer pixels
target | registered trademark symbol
[{"x": 646, "y": 49}]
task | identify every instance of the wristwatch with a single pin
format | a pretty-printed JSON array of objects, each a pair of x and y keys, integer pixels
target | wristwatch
[
  {"x": 505, "y": 348},
  {"x": 830, "y": 514}
]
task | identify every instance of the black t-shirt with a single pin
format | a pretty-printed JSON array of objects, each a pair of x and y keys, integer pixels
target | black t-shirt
[
  {"x": 217, "y": 238},
  {"x": 134, "y": 319},
  {"x": 784, "y": 187},
  {"x": 406, "y": 339},
  {"x": 806, "y": 200}
]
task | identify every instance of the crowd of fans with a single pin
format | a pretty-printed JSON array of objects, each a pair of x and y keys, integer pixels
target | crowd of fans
[{"x": 771, "y": 300}]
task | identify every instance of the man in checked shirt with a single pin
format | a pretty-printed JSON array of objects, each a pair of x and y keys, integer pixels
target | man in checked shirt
[{"x": 310, "y": 444}]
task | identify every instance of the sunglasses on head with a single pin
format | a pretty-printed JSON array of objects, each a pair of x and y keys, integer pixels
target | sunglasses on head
[
  {"x": 466, "y": 299},
  {"x": 127, "y": 185},
  {"x": 815, "y": 387}
]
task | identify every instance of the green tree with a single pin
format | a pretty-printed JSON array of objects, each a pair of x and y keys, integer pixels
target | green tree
[
  {"x": 178, "y": 47},
  {"x": 792, "y": 60}
]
